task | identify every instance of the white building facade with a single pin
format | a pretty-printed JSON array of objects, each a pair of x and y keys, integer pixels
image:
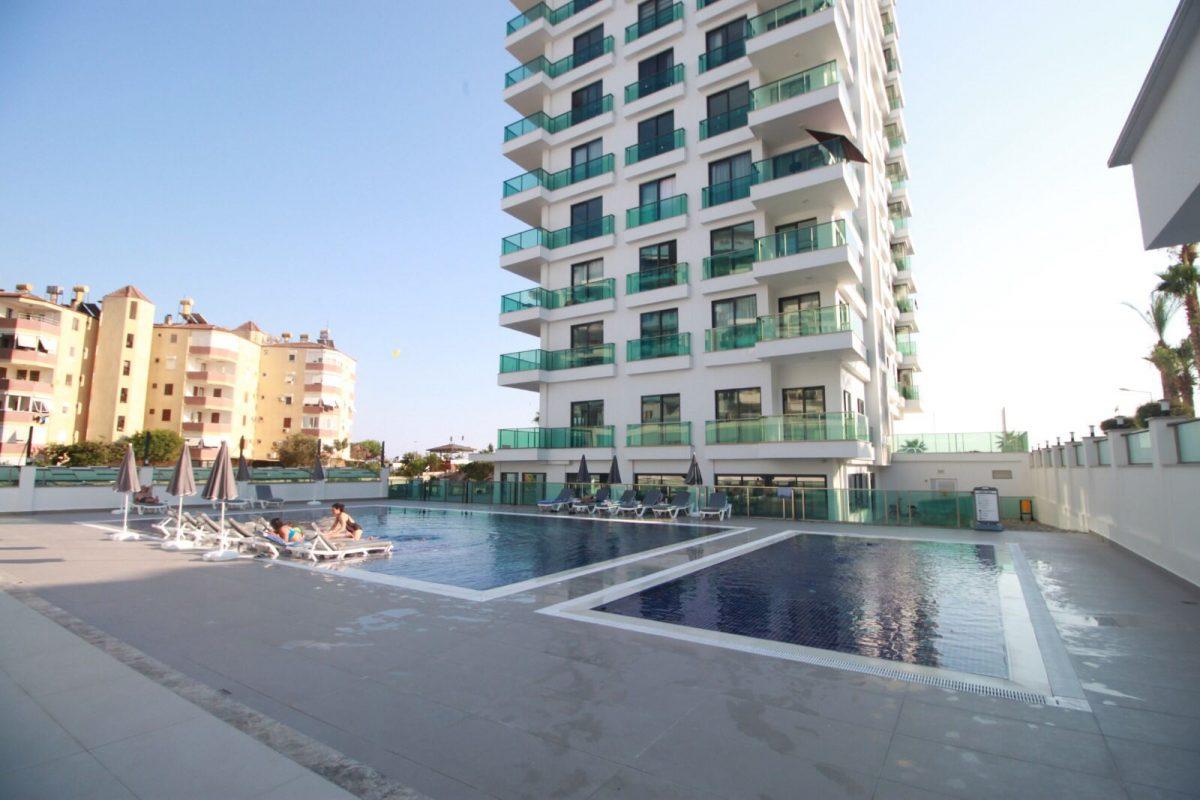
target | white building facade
[{"x": 715, "y": 201}]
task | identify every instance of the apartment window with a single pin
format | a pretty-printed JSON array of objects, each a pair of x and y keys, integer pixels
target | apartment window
[
  {"x": 587, "y": 219},
  {"x": 291, "y": 356},
  {"x": 75, "y": 324},
  {"x": 120, "y": 423},
  {"x": 729, "y": 178},
  {"x": 806, "y": 400},
  {"x": 129, "y": 340},
  {"x": 860, "y": 405},
  {"x": 587, "y": 271},
  {"x": 174, "y": 338},
  {"x": 652, "y": 261},
  {"x": 287, "y": 423},
  {"x": 656, "y": 135},
  {"x": 654, "y": 73},
  {"x": 166, "y": 415},
  {"x": 68, "y": 379},
  {"x": 800, "y": 302},
  {"x": 587, "y": 414},
  {"x": 651, "y": 192},
  {"x": 587, "y": 334},
  {"x": 133, "y": 310},
  {"x": 125, "y": 368},
  {"x": 287, "y": 399},
  {"x": 739, "y": 403},
  {"x": 151, "y": 412},
  {"x": 859, "y": 494},
  {"x": 168, "y": 389},
  {"x": 734, "y": 239},
  {"x": 649, "y": 9},
  {"x": 586, "y": 102},
  {"x": 727, "y": 109},
  {"x": 35, "y": 375},
  {"x": 123, "y": 396},
  {"x": 588, "y": 45},
  {"x": 660, "y": 408},
  {"x": 582, "y": 156},
  {"x": 214, "y": 417},
  {"x": 735, "y": 311},
  {"x": 660, "y": 323},
  {"x": 725, "y": 43}
]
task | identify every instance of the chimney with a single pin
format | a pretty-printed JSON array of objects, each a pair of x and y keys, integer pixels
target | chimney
[
  {"x": 323, "y": 336},
  {"x": 54, "y": 293},
  {"x": 304, "y": 337},
  {"x": 25, "y": 288},
  {"x": 285, "y": 336},
  {"x": 185, "y": 306},
  {"x": 79, "y": 294},
  {"x": 168, "y": 319}
]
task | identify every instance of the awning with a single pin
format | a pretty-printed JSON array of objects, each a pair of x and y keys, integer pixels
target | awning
[
  {"x": 40, "y": 407},
  {"x": 49, "y": 345},
  {"x": 851, "y": 151},
  {"x": 26, "y": 340}
]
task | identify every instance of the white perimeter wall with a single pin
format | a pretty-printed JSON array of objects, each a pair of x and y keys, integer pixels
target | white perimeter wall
[
  {"x": 1151, "y": 509},
  {"x": 915, "y": 471}
]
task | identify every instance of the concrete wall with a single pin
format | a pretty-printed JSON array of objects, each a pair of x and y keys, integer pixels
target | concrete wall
[
  {"x": 968, "y": 470},
  {"x": 1150, "y": 509},
  {"x": 27, "y": 498}
]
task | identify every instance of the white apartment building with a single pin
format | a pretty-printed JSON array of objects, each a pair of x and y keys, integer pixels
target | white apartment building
[{"x": 716, "y": 202}]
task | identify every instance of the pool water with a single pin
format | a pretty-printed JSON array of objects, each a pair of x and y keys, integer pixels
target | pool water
[{"x": 935, "y": 604}]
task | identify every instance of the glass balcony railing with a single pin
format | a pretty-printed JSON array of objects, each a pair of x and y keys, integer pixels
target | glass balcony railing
[
  {"x": 653, "y": 147},
  {"x": 726, "y": 191},
  {"x": 821, "y": 236},
  {"x": 906, "y": 305},
  {"x": 889, "y": 28},
  {"x": 552, "y": 15},
  {"x": 559, "y": 123},
  {"x": 722, "y": 55},
  {"x": 731, "y": 337},
  {"x": 903, "y": 264},
  {"x": 899, "y": 223},
  {"x": 731, "y": 263},
  {"x": 572, "y": 234},
  {"x": 975, "y": 442},
  {"x": 655, "y": 83},
  {"x": 899, "y": 184},
  {"x": 671, "y": 344},
  {"x": 653, "y": 212},
  {"x": 821, "y": 427},
  {"x": 894, "y": 136},
  {"x": 554, "y": 438},
  {"x": 910, "y": 393},
  {"x": 794, "y": 85},
  {"x": 722, "y": 123},
  {"x": 653, "y": 22},
  {"x": 656, "y": 278},
  {"x": 906, "y": 345},
  {"x": 655, "y": 434},
  {"x": 809, "y": 322},
  {"x": 553, "y": 69},
  {"x": 782, "y": 15},
  {"x": 551, "y": 360},
  {"x": 557, "y": 180},
  {"x": 891, "y": 63},
  {"x": 558, "y": 298},
  {"x": 895, "y": 103}
]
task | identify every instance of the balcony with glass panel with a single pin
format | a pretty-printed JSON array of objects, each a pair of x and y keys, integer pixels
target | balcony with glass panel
[
  {"x": 526, "y": 87},
  {"x": 822, "y": 251},
  {"x": 911, "y": 396},
  {"x": 725, "y": 122},
  {"x": 525, "y": 311},
  {"x": 666, "y": 23},
  {"x": 795, "y": 35},
  {"x": 813, "y": 99},
  {"x": 731, "y": 337},
  {"x": 818, "y": 176},
  {"x": 817, "y": 435},
  {"x": 896, "y": 138},
  {"x": 670, "y": 351},
  {"x": 661, "y": 87},
  {"x": 658, "y": 434},
  {"x": 527, "y": 140},
  {"x": 530, "y": 369},
  {"x": 906, "y": 345},
  {"x": 575, "y": 438},
  {"x": 529, "y": 32},
  {"x": 656, "y": 211},
  {"x": 656, "y": 284},
  {"x": 833, "y": 330},
  {"x": 526, "y": 252},
  {"x": 644, "y": 151},
  {"x": 526, "y": 195},
  {"x": 719, "y": 56}
]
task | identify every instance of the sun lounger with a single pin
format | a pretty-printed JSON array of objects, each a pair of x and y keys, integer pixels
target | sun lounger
[
  {"x": 264, "y": 495},
  {"x": 718, "y": 506},
  {"x": 148, "y": 508},
  {"x": 627, "y": 503},
  {"x": 247, "y": 537},
  {"x": 652, "y": 498},
  {"x": 564, "y": 500},
  {"x": 680, "y": 502},
  {"x": 589, "y": 506},
  {"x": 319, "y": 548}
]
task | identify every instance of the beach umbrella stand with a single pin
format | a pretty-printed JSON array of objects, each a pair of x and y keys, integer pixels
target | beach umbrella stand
[
  {"x": 221, "y": 487},
  {"x": 183, "y": 484},
  {"x": 318, "y": 476},
  {"x": 127, "y": 484}
]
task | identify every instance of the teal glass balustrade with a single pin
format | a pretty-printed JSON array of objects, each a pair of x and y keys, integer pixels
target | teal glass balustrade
[
  {"x": 551, "y": 360},
  {"x": 656, "y": 82},
  {"x": 554, "y": 438},
  {"x": 572, "y": 234},
  {"x": 655, "y": 21},
  {"x": 559, "y": 123},
  {"x": 656, "y": 278},
  {"x": 554, "y": 69},
  {"x": 653, "y": 147},
  {"x": 658, "y": 434},
  {"x": 671, "y": 344},
  {"x": 538, "y": 297},
  {"x": 782, "y": 15},
  {"x": 794, "y": 85},
  {"x": 824, "y": 427},
  {"x": 729, "y": 263},
  {"x": 801, "y": 240},
  {"x": 730, "y": 120},
  {"x": 658, "y": 210},
  {"x": 809, "y": 322},
  {"x": 557, "y": 180},
  {"x": 727, "y": 52},
  {"x": 731, "y": 337}
]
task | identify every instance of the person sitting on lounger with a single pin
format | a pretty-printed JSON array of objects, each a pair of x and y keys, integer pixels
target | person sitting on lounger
[
  {"x": 145, "y": 497},
  {"x": 343, "y": 526},
  {"x": 286, "y": 532}
]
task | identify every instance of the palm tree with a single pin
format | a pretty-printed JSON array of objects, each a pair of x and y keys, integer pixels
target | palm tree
[
  {"x": 1181, "y": 281},
  {"x": 1162, "y": 308},
  {"x": 1185, "y": 381}
]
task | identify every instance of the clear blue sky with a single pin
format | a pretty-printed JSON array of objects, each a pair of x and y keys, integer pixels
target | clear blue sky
[{"x": 305, "y": 164}]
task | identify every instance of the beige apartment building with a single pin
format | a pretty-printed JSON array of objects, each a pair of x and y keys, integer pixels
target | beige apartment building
[{"x": 77, "y": 370}]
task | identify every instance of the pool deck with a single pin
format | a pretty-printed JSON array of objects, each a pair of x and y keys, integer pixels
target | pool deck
[{"x": 382, "y": 692}]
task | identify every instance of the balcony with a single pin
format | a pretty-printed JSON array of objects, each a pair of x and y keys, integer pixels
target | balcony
[
  {"x": 719, "y": 56},
  {"x": 648, "y": 280},
  {"x": 554, "y": 438},
  {"x": 211, "y": 377},
  {"x": 812, "y": 30},
  {"x": 731, "y": 337},
  {"x": 527, "y": 87},
  {"x": 726, "y": 191},
  {"x": 205, "y": 401},
  {"x": 833, "y": 330},
  {"x": 723, "y": 123},
  {"x": 657, "y": 212},
  {"x": 22, "y": 355},
  {"x": 20, "y": 386},
  {"x": 826, "y": 250},
  {"x": 658, "y": 434},
  {"x": 666, "y": 346},
  {"x": 731, "y": 263},
  {"x": 912, "y": 398},
  {"x": 207, "y": 428},
  {"x": 650, "y": 24},
  {"x": 643, "y": 151},
  {"x": 524, "y": 253},
  {"x": 527, "y": 139},
  {"x": 527, "y": 194},
  {"x": 210, "y": 353},
  {"x": 531, "y": 368},
  {"x": 832, "y": 434},
  {"x": 907, "y": 347},
  {"x": 526, "y": 311},
  {"x": 895, "y": 138},
  {"x": 813, "y": 100},
  {"x": 818, "y": 176},
  {"x": 652, "y": 91},
  {"x": 38, "y": 326},
  {"x": 528, "y": 33}
]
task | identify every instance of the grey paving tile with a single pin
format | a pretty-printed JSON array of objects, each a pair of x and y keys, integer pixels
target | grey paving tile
[
  {"x": 28, "y": 735},
  {"x": 960, "y": 772},
  {"x": 1027, "y": 741},
  {"x": 75, "y": 777},
  {"x": 890, "y": 790},
  {"x": 128, "y": 706},
  {"x": 1149, "y": 726},
  {"x": 1145, "y": 696},
  {"x": 1000, "y": 707},
  {"x": 1156, "y": 765},
  {"x": 65, "y": 668},
  {"x": 630, "y": 784},
  {"x": 307, "y": 787},
  {"x": 824, "y": 698},
  {"x": 199, "y": 758},
  {"x": 1154, "y": 793}
]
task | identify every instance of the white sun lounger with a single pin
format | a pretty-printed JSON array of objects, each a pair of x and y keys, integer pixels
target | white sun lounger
[
  {"x": 320, "y": 548},
  {"x": 680, "y": 502},
  {"x": 718, "y": 506}
]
